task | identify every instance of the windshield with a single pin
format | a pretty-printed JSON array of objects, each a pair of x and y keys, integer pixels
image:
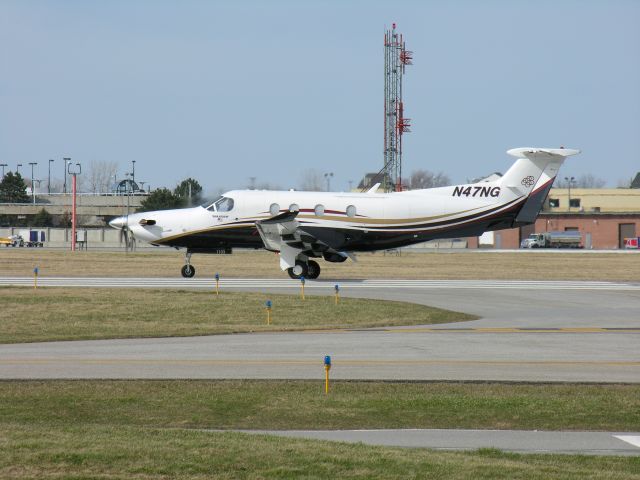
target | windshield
[{"x": 222, "y": 204}]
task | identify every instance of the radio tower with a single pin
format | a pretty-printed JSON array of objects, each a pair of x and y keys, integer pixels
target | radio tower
[{"x": 396, "y": 57}]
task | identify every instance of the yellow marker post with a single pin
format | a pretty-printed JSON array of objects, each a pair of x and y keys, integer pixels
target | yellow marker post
[
  {"x": 327, "y": 367},
  {"x": 302, "y": 287},
  {"x": 337, "y": 288},
  {"x": 35, "y": 277},
  {"x": 268, "y": 305},
  {"x": 217, "y": 283}
]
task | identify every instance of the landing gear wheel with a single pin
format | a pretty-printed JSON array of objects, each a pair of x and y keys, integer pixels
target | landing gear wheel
[
  {"x": 188, "y": 271},
  {"x": 314, "y": 270},
  {"x": 300, "y": 270}
]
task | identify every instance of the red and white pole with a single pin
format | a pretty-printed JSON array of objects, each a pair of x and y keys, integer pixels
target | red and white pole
[{"x": 73, "y": 214}]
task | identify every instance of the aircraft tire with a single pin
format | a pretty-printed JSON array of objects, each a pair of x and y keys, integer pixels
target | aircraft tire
[
  {"x": 293, "y": 275},
  {"x": 188, "y": 271},
  {"x": 314, "y": 270}
]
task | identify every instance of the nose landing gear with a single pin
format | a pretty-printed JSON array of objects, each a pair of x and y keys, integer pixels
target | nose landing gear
[{"x": 188, "y": 271}]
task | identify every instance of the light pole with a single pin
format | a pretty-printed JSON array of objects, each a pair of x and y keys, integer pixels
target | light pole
[
  {"x": 74, "y": 173},
  {"x": 3, "y": 165},
  {"x": 18, "y": 168},
  {"x": 133, "y": 171},
  {"x": 328, "y": 176},
  {"x": 49, "y": 182},
  {"x": 67, "y": 162},
  {"x": 33, "y": 191},
  {"x": 569, "y": 181}
]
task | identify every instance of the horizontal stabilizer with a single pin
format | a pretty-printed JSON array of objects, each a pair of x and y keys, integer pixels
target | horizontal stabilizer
[{"x": 542, "y": 152}]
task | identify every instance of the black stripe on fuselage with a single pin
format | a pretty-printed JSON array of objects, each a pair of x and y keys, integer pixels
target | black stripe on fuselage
[{"x": 363, "y": 238}]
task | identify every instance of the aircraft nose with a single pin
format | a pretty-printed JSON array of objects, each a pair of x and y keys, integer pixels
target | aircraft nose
[{"x": 119, "y": 222}]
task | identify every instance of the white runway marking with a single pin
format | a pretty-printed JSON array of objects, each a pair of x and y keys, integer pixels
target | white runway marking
[
  {"x": 633, "y": 440},
  {"x": 200, "y": 283}
]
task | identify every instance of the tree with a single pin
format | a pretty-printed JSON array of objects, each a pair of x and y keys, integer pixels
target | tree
[
  {"x": 42, "y": 219},
  {"x": 13, "y": 189},
  {"x": 161, "y": 199},
  {"x": 65, "y": 220},
  {"x": 188, "y": 195},
  {"x": 586, "y": 180},
  {"x": 427, "y": 179},
  {"x": 100, "y": 176},
  {"x": 311, "y": 181}
]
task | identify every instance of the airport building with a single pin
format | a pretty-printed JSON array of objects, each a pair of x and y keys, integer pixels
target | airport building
[{"x": 603, "y": 216}]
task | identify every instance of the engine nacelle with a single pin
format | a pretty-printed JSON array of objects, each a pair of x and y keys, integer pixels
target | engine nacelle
[{"x": 334, "y": 257}]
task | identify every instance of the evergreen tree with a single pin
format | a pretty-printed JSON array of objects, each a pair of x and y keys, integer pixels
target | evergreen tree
[
  {"x": 42, "y": 219},
  {"x": 182, "y": 191},
  {"x": 13, "y": 189},
  {"x": 161, "y": 199}
]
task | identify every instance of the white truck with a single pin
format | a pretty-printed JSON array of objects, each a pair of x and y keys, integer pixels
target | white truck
[{"x": 568, "y": 239}]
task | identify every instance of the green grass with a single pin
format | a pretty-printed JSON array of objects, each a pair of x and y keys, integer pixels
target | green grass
[
  {"x": 45, "y": 314},
  {"x": 123, "y": 452},
  {"x": 280, "y": 405},
  {"x": 150, "y": 429}
]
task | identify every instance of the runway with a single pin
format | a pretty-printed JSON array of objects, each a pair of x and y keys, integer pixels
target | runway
[
  {"x": 529, "y": 331},
  {"x": 520, "y": 441}
]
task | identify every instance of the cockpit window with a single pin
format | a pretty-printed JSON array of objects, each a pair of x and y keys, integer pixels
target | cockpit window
[{"x": 222, "y": 204}]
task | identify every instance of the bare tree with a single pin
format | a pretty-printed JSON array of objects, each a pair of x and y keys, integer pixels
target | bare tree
[
  {"x": 427, "y": 179},
  {"x": 586, "y": 180},
  {"x": 99, "y": 176},
  {"x": 311, "y": 180}
]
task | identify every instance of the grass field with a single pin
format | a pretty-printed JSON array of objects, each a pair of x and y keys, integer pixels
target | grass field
[
  {"x": 535, "y": 265},
  {"x": 147, "y": 430},
  {"x": 51, "y": 313},
  {"x": 281, "y": 405}
]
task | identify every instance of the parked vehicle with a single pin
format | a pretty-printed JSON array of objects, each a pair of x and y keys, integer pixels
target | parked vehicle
[
  {"x": 35, "y": 238},
  {"x": 568, "y": 239},
  {"x": 12, "y": 241},
  {"x": 633, "y": 242}
]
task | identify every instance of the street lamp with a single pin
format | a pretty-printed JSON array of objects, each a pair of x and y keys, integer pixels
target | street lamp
[
  {"x": 3, "y": 165},
  {"x": 133, "y": 171},
  {"x": 328, "y": 176},
  {"x": 569, "y": 181},
  {"x": 33, "y": 191},
  {"x": 67, "y": 161},
  {"x": 18, "y": 168},
  {"x": 49, "y": 183}
]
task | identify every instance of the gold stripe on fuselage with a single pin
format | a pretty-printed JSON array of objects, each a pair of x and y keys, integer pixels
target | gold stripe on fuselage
[{"x": 250, "y": 222}]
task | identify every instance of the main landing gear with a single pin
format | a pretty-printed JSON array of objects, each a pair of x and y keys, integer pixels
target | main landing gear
[
  {"x": 310, "y": 270},
  {"x": 188, "y": 271}
]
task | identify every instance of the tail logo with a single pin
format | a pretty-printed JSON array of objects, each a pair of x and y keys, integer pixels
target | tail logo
[{"x": 528, "y": 181}]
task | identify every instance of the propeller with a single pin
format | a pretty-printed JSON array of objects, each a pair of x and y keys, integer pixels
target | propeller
[{"x": 122, "y": 224}]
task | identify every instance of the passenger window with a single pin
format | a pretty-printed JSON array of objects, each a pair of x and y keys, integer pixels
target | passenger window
[
  {"x": 274, "y": 209},
  {"x": 319, "y": 210},
  {"x": 294, "y": 207},
  {"x": 351, "y": 211}
]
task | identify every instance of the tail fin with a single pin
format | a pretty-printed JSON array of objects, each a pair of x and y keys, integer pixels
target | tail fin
[
  {"x": 534, "y": 167},
  {"x": 532, "y": 175}
]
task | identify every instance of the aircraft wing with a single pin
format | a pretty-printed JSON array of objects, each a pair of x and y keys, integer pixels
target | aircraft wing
[
  {"x": 282, "y": 233},
  {"x": 277, "y": 230}
]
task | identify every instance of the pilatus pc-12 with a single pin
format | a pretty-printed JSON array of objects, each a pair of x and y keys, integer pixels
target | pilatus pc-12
[{"x": 302, "y": 226}]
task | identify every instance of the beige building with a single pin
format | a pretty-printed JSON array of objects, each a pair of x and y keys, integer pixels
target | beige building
[{"x": 593, "y": 200}]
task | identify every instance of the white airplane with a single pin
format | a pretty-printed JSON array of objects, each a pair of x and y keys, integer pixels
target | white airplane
[{"x": 301, "y": 226}]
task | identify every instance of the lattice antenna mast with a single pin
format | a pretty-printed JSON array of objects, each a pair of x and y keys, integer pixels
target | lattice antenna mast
[{"x": 396, "y": 57}]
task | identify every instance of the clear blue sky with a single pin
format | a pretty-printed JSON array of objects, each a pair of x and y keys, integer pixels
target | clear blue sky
[{"x": 226, "y": 90}]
